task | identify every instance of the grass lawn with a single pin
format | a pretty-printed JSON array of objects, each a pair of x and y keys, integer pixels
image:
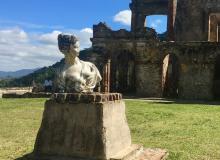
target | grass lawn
[{"x": 187, "y": 131}]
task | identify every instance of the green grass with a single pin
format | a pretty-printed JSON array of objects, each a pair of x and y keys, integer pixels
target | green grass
[
  {"x": 19, "y": 122},
  {"x": 187, "y": 131}
]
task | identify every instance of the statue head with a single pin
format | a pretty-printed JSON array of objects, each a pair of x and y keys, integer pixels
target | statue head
[{"x": 68, "y": 44}]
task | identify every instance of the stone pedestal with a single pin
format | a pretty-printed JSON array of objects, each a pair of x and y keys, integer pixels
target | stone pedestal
[{"x": 85, "y": 126}]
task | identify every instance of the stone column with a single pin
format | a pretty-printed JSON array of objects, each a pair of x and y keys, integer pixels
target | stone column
[
  {"x": 133, "y": 21},
  {"x": 140, "y": 22},
  {"x": 137, "y": 21},
  {"x": 106, "y": 76},
  {"x": 171, "y": 19}
]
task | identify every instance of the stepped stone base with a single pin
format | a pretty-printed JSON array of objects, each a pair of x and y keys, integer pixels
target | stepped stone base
[
  {"x": 86, "y": 127},
  {"x": 133, "y": 152}
]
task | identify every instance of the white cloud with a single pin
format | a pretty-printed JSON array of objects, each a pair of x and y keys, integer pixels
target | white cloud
[
  {"x": 84, "y": 37},
  {"x": 50, "y": 38},
  {"x": 13, "y": 35},
  {"x": 87, "y": 30},
  {"x": 158, "y": 21},
  {"x": 123, "y": 17},
  {"x": 19, "y": 49},
  {"x": 155, "y": 24}
]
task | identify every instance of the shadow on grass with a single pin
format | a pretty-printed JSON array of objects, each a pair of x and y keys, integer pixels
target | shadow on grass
[
  {"x": 33, "y": 156},
  {"x": 26, "y": 157},
  {"x": 171, "y": 101},
  {"x": 188, "y": 102}
]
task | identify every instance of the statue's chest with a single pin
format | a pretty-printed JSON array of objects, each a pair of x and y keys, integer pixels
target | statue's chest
[{"x": 73, "y": 72}]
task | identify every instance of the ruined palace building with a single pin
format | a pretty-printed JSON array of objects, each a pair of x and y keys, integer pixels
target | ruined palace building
[{"x": 184, "y": 62}]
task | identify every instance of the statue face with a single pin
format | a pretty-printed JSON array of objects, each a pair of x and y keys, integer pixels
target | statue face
[
  {"x": 68, "y": 45},
  {"x": 74, "y": 48}
]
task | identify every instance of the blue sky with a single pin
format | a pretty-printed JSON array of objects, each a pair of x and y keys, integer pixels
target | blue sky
[{"x": 28, "y": 28}]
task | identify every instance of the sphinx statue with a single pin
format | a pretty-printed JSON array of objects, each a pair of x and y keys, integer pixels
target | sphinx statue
[{"x": 78, "y": 76}]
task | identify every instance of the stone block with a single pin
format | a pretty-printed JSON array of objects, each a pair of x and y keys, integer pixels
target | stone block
[{"x": 79, "y": 127}]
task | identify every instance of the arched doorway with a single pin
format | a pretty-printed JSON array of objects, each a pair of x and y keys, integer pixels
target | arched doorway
[
  {"x": 216, "y": 87},
  {"x": 124, "y": 76},
  {"x": 170, "y": 76}
]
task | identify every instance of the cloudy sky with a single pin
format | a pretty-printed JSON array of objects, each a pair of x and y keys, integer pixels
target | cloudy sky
[{"x": 29, "y": 28}]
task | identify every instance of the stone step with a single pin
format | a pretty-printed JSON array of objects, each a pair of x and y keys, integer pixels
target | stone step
[
  {"x": 153, "y": 154},
  {"x": 129, "y": 153}
]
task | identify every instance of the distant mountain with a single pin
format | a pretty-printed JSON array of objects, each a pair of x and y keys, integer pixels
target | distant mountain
[
  {"x": 16, "y": 74},
  {"x": 38, "y": 76},
  {"x": 50, "y": 72}
]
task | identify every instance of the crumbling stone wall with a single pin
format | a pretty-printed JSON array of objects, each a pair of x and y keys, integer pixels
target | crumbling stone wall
[
  {"x": 121, "y": 52},
  {"x": 190, "y": 71},
  {"x": 196, "y": 69},
  {"x": 192, "y": 19},
  {"x": 142, "y": 8},
  {"x": 148, "y": 69}
]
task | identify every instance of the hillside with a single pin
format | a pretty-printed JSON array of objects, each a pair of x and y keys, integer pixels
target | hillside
[
  {"x": 16, "y": 74},
  {"x": 40, "y": 75}
]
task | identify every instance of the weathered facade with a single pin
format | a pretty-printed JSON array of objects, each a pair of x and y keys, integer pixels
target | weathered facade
[{"x": 185, "y": 65}]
